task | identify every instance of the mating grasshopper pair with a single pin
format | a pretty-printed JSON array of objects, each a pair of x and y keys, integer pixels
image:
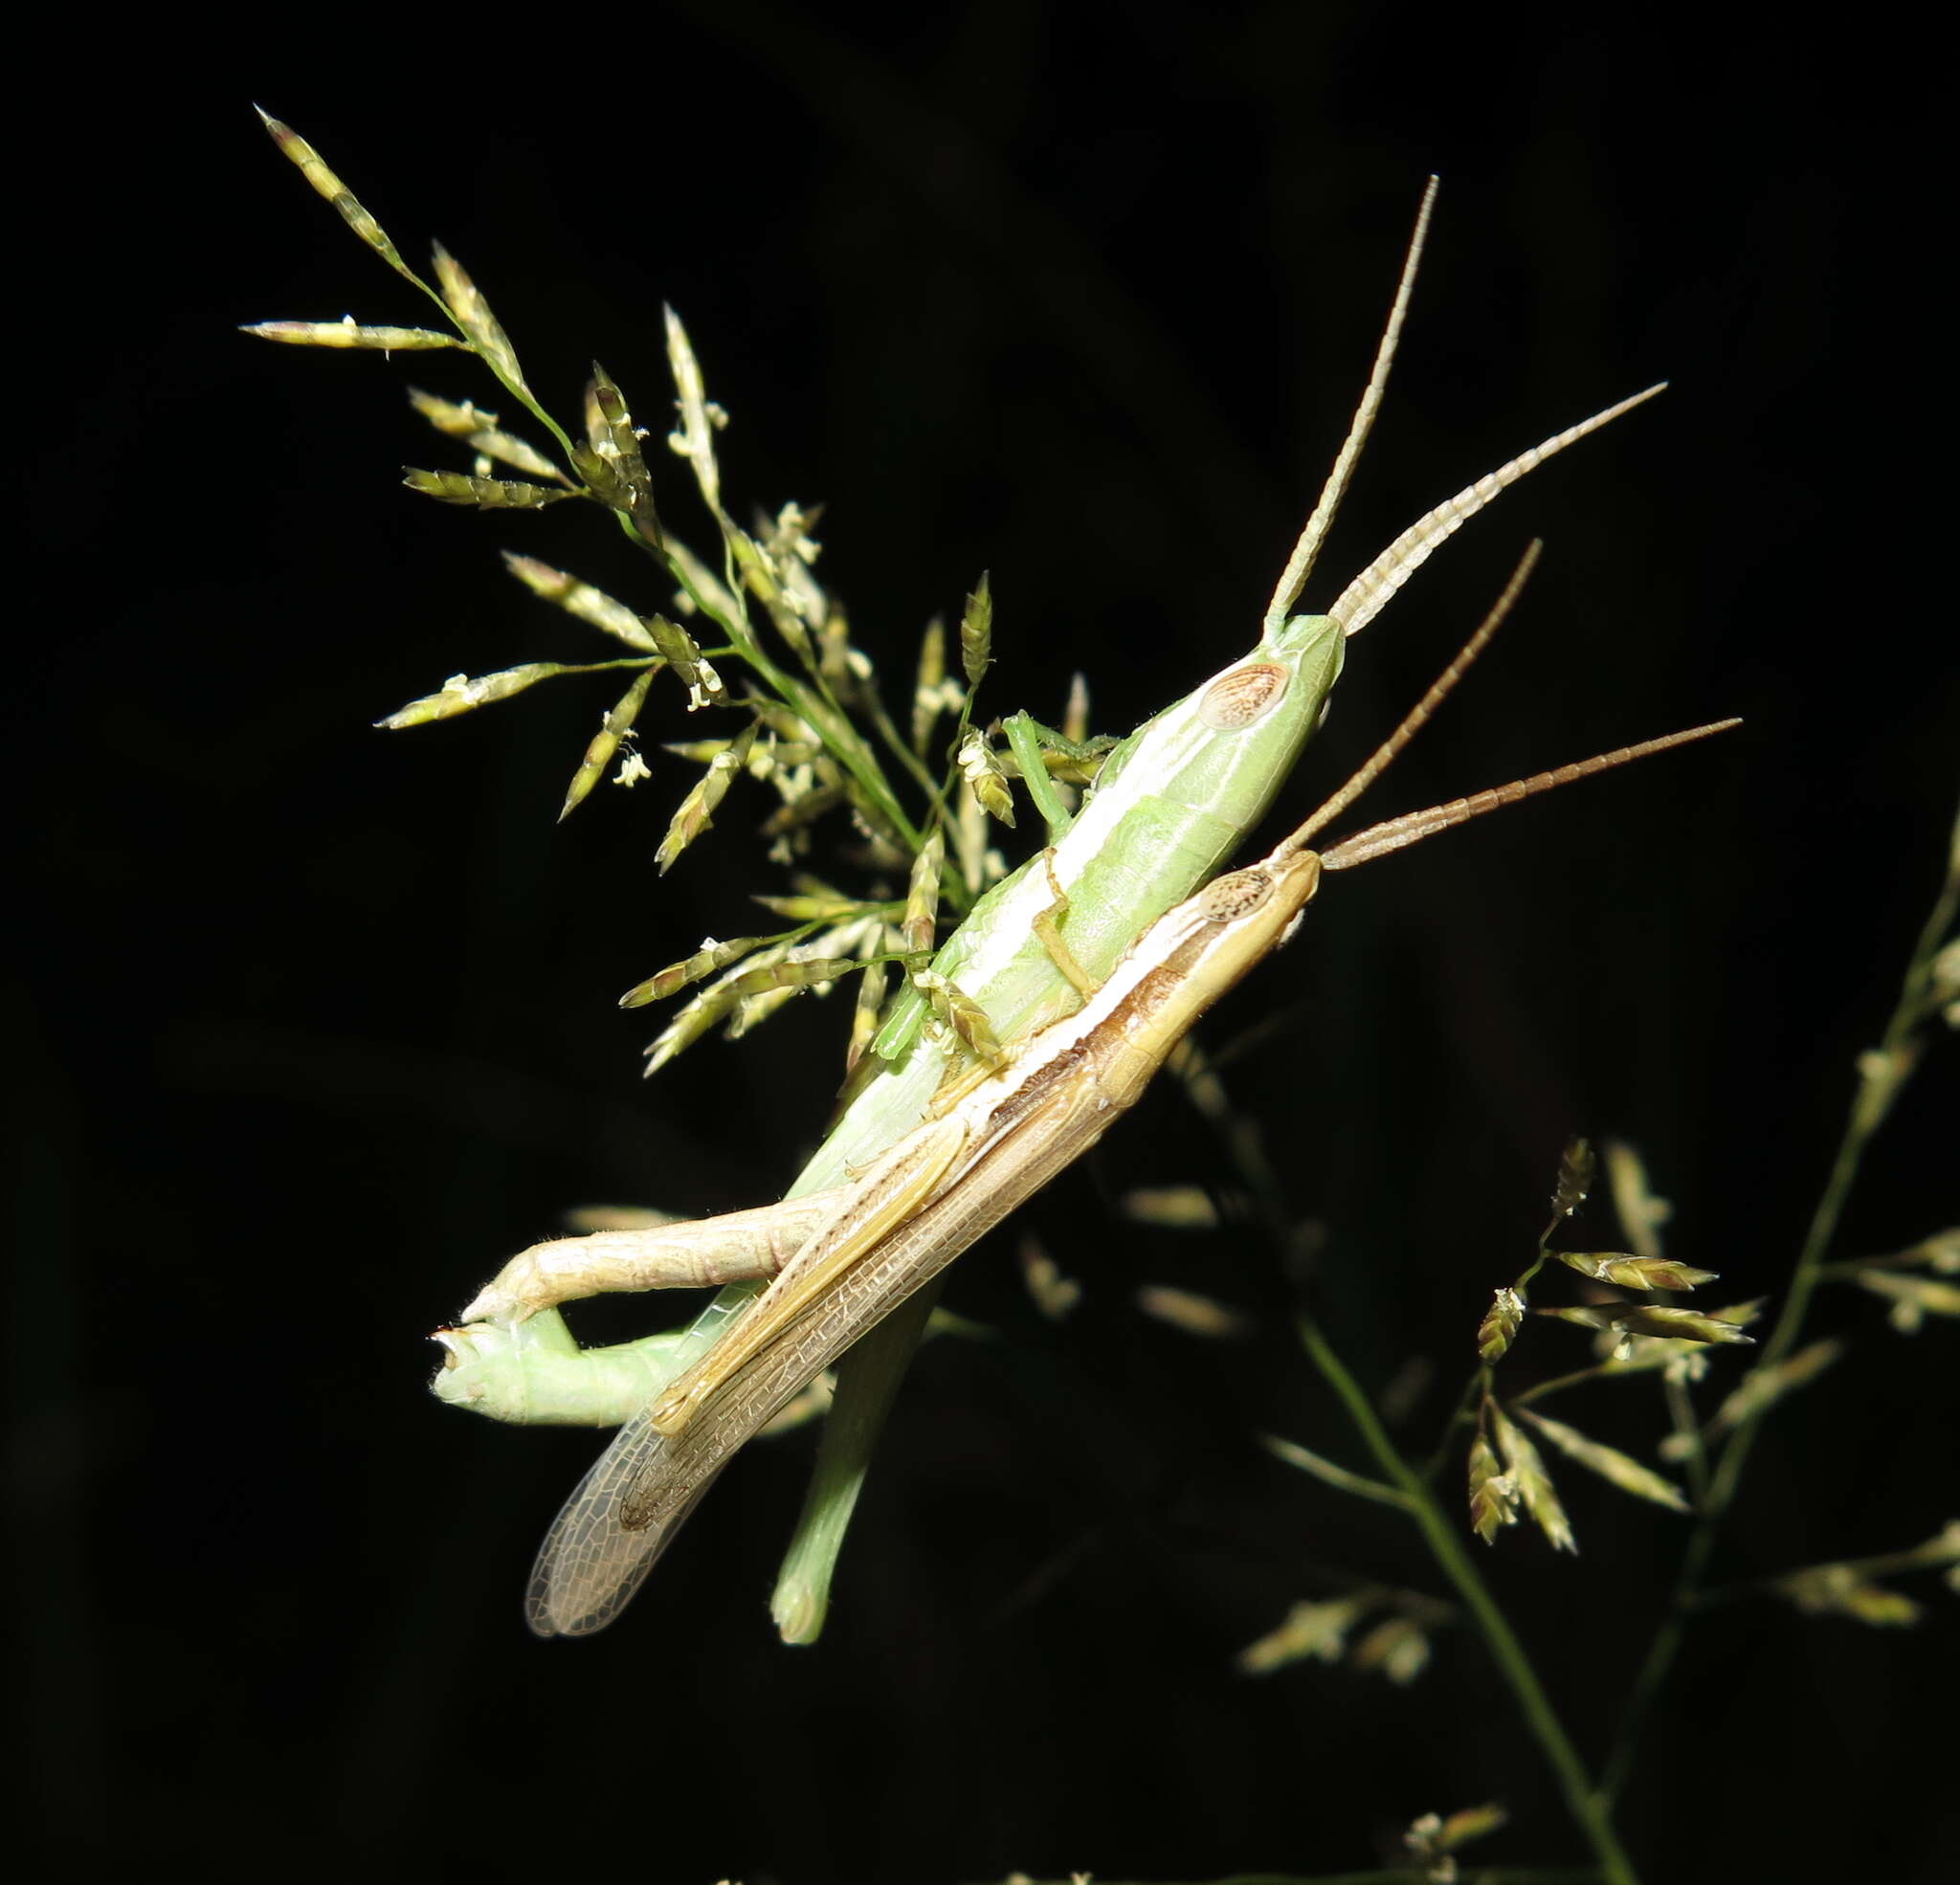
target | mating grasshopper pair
[{"x": 1091, "y": 963}]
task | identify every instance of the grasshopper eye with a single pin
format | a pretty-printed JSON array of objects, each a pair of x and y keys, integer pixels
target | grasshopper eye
[{"x": 1243, "y": 696}]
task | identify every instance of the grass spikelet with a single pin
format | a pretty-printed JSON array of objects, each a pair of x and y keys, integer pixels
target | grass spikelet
[
  {"x": 986, "y": 777},
  {"x": 589, "y": 605},
  {"x": 708, "y": 959},
  {"x": 484, "y": 494},
  {"x": 760, "y": 577},
  {"x": 803, "y": 805},
  {"x": 465, "y": 301},
  {"x": 461, "y": 695},
  {"x": 480, "y": 432},
  {"x": 683, "y": 654},
  {"x": 1074, "y": 715},
  {"x": 1309, "y": 1630},
  {"x": 866, "y": 1013},
  {"x": 771, "y": 969},
  {"x": 1501, "y": 1323},
  {"x": 1627, "y": 1319},
  {"x": 351, "y": 333},
  {"x": 1642, "y": 1213},
  {"x": 1839, "y": 1590},
  {"x": 695, "y": 440},
  {"x": 615, "y": 726},
  {"x": 1532, "y": 1481},
  {"x": 819, "y": 903},
  {"x": 1053, "y": 1293},
  {"x": 696, "y": 813},
  {"x": 931, "y": 693},
  {"x": 1610, "y": 1464},
  {"x": 960, "y": 1012},
  {"x": 1913, "y": 1299},
  {"x": 919, "y": 926},
  {"x": 1397, "y": 1648},
  {"x": 1635, "y": 1272},
  {"x": 1171, "y": 1207},
  {"x": 314, "y": 168},
  {"x": 1493, "y": 1494},
  {"x": 1201, "y": 1315},
  {"x": 976, "y": 634},
  {"x": 1763, "y": 1388},
  {"x": 1575, "y": 1169},
  {"x": 611, "y": 438}
]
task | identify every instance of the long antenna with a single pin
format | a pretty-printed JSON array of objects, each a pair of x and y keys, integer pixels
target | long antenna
[
  {"x": 1300, "y": 565},
  {"x": 1384, "y": 755},
  {"x": 1412, "y": 827},
  {"x": 1362, "y": 600}
]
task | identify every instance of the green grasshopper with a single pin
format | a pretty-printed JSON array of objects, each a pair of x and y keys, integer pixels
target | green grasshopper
[
  {"x": 1169, "y": 805},
  {"x": 842, "y": 1265}
]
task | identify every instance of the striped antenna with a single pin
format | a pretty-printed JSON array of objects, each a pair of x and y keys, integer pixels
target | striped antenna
[
  {"x": 1412, "y": 827},
  {"x": 1384, "y": 755},
  {"x": 1300, "y": 565},
  {"x": 1362, "y": 600}
]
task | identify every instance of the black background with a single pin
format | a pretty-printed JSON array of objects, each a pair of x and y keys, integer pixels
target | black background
[{"x": 317, "y": 1024}]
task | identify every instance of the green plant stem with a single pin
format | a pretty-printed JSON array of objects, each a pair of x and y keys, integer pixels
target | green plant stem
[
  {"x": 1882, "y": 1074},
  {"x": 1587, "y": 1806}
]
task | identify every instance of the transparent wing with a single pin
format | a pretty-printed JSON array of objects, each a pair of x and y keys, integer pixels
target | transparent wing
[{"x": 591, "y": 1562}]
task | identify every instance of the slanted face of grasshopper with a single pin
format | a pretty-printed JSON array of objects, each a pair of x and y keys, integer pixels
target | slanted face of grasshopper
[
  {"x": 1170, "y": 804},
  {"x": 929, "y": 1196}
]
